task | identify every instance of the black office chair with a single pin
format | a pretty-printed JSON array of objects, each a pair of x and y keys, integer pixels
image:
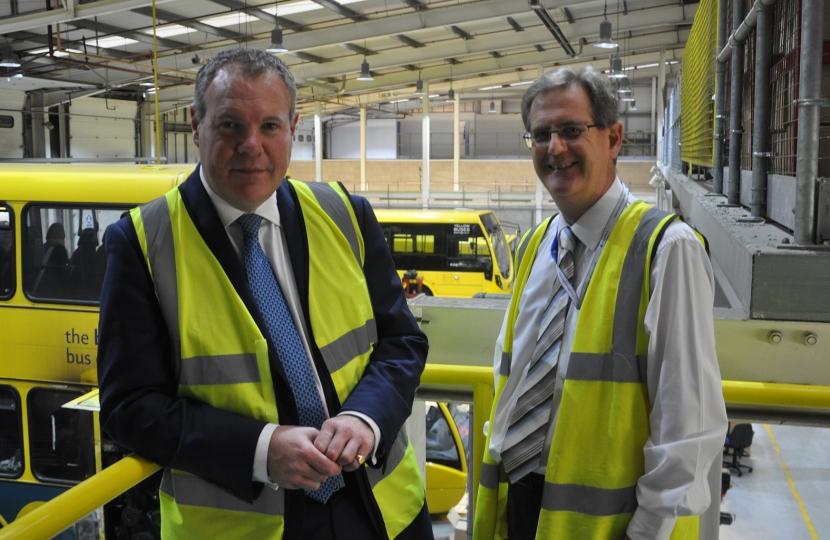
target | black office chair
[{"x": 739, "y": 439}]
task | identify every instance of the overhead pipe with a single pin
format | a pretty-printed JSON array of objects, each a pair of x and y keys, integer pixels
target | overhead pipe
[
  {"x": 736, "y": 104},
  {"x": 550, "y": 24},
  {"x": 762, "y": 121},
  {"x": 744, "y": 29},
  {"x": 720, "y": 97},
  {"x": 809, "y": 112}
]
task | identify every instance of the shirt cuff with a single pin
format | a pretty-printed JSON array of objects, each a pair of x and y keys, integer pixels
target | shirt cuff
[
  {"x": 646, "y": 525},
  {"x": 261, "y": 456},
  {"x": 375, "y": 429}
]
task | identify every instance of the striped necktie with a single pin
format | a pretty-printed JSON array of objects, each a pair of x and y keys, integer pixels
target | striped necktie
[
  {"x": 525, "y": 438},
  {"x": 285, "y": 337}
]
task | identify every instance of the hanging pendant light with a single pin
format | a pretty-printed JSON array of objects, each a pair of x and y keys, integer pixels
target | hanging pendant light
[
  {"x": 616, "y": 69},
  {"x": 419, "y": 86},
  {"x": 632, "y": 105},
  {"x": 605, "y": 39},
  {"x": 365, "y": 74},
  {"x": 7, "y": 58},
  {"x": 624, "y": 86},
  {"x": 276, "y": 36}
]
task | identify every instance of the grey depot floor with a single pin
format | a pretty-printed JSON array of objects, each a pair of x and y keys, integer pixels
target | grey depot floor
[{"x": 766, "y": 503}]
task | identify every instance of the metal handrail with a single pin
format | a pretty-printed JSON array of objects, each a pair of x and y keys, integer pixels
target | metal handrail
[
  {"x": 73, "y": 504},
  {"x": 56, "y": 515}
]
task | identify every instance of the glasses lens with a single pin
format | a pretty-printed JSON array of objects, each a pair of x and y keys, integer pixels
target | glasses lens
[
  {"x": 572, "y": 133},
  {"x": 541, "y": 136}
]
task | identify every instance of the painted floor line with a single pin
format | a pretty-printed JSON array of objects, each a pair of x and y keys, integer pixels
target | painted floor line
[{"x": 804, "y": 514}]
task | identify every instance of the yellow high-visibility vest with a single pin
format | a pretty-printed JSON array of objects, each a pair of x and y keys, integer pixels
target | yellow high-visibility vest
[
  {"x": 604, "y": 408},
  {"x": 221, "y": 357}
]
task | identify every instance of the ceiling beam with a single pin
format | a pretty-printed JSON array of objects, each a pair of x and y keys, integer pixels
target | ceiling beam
[
  {"x": 341, "y": 10},
  {"x": 258, "y": 13},
  {"x": 170, "y": 17},
  {"x": 108, "y": 29},
  {"x": 36, "y": 21}
]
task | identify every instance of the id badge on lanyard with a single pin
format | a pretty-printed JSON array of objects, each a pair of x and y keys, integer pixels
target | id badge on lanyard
[{"x": 577, "y": 296}]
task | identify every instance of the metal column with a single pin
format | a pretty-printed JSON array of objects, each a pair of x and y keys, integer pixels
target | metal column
[
  {"x": 363, "y": 148},
  {"x": 425, "y": 152},
  {"x": 761, "y": 114},
  {"x": 318, "y": 141},
  {"x": 720, "y": 97},
  {"x": 809, "y": 113},
  {"x": 736, "y": 106}
]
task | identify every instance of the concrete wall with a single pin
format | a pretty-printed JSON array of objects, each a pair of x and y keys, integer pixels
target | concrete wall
[{"x": 475, "y": 175}]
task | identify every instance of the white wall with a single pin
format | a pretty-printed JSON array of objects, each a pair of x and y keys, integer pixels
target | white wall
[
  {"x": 381, "y": 140},
  {"x": 11, "y": 139},
  {"x": 303, "y": 149},
  {"x": 102, "y": 128}
]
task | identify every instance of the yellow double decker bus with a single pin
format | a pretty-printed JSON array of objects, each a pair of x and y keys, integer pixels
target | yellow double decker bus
[{"x": 457, "y": 253}]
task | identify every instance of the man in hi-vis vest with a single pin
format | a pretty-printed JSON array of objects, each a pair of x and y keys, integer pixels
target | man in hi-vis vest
[
  {"x": 608, "y": 411},
  {"x": 255, "y": 339}
]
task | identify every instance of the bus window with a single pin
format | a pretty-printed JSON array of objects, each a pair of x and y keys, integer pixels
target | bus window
[
  {"x": 416, "y": 245},
  {"x": 11, "y": 440},
  {"x": 6, "y": 252},
  {"x": 499, "y": 242},
  {"x": 61, "y": 440},
  {"x": 440, "y": 444},
  {"x": 467, "y": 249},
  {"x": 64, "y": 258}
]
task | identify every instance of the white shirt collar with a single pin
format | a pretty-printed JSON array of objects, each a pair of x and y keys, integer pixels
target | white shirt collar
[
  {"x": 588, "y": 228},
  {"x": 229, "y": 213}
]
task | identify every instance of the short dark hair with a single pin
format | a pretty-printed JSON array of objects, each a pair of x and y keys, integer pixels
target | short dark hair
[
  {"x": 604, "y": 107},
  {"x": 253, "y": 63}
]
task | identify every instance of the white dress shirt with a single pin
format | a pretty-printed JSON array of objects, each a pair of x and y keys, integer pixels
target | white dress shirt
[
  {"x": 272, "y": 240},
  {"x": 688, "y": 416}
]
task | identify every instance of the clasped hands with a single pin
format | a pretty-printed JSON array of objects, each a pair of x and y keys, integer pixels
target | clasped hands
[{"x": 303, "y": 457}]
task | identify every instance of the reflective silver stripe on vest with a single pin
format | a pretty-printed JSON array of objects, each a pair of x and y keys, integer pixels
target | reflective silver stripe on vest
[
  {"x": 622, "y": 364},
  {"x": 608, "y": 367},
  {"x": 489, "y": 476},
  {"x": 155, "y": 217},
  {"x": 350, "y": 345},
  {"x": 504, "y": 366},
  {"x": 332, "y": 204},
  {"x": 588, "y": 500},
  {"x": 525, "y": 241},
  {"x": 193, "y": 491},
  {"x": 396, "y": 454},
  {"x": 220, "y": 369}
]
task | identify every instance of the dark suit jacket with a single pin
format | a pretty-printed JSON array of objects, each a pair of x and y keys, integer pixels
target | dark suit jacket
[{"x": 139, "y": 406}]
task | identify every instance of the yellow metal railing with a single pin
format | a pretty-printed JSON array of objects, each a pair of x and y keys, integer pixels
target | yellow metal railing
[
  {"x": 61, "y": 512},
  {"x": 73, "y": 504}
]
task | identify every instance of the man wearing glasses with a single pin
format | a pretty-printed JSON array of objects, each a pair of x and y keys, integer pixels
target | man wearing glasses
[{"x": 608, "y": 412}]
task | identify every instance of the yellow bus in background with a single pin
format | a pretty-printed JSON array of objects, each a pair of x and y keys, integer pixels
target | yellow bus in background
[{"x": 457, "y": 253}]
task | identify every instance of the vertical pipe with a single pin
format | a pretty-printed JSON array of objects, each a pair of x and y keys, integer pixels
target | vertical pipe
[
  {"x": 456, "y": 141},
  {"x": 736, "y": 106},
  {"x": 761, "y": 112},
  {"x": 809, "y": 112},
  {"x": 425, "y": 153},
  {"x": 363, "y": 148},
  {"x": 652, "y": 139},
  {"x": 720, "y": 97},
  {"x": 318, "y": 141},
  {"x": 661, "y": 106}
]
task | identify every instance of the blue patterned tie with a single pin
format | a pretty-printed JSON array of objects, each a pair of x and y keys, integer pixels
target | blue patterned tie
[{"x": 286, "y": 339}]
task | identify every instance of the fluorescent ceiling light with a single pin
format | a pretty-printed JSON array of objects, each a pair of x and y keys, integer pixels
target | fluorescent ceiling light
[
  {"x": 57, "y": 53},
  {"x": 302, "y": 7},
  {"x": 498, "y": 86},
  {"x": 112, "y": 42},
  {"x": 399, "y": 101},
  {"x": 231, "y": 19},
  {"x": 521, "y": 83},
  {"x": 170, "y": 30}
]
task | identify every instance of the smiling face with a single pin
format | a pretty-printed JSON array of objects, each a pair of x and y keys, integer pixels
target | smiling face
[
  {"x": 245, "y": 138},
  {"x": 576, "y": 173}
]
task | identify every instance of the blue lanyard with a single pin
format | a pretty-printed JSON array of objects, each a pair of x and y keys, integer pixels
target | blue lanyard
[{"x": 577, "y": 297}]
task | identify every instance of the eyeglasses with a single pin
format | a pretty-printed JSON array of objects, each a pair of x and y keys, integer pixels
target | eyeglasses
[{"x": 569, "y": 133}]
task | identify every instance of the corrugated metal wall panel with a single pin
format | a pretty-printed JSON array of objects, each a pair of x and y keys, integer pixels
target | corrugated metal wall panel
[
  {"x": 11, "y": 139},
  {"x": 102, "y": 129}
]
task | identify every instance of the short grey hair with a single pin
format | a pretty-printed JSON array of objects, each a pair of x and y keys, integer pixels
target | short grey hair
[
  {"x": 252, "y": 63},
  {"x": 604, "y": 107}
]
